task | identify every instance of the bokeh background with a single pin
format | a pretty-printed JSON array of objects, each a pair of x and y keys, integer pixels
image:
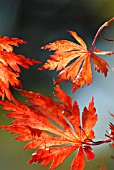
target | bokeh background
[{"x": 40, "y": 22}]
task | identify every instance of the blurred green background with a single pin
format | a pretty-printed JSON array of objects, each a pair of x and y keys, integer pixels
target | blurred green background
[{"x": 40, "y": 22}]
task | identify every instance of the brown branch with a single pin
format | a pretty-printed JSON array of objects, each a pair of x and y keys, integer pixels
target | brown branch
[
  {"x": 107, "y": 39},
  {"x": 92, "y": 143}
]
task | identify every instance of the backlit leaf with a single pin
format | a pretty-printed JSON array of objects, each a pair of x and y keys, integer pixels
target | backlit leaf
[
  {"x": 10, "y": 66},
  {"x": 79, "y": 71},
  {"x": 54, "y": 128}
]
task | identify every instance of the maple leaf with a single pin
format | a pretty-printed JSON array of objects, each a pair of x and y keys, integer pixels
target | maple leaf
[
  {"x": 9, "y": 66},
  {"x": 53, "y": 127},
  {"x": 80, "y": 71},
  {"x": 6, "y": 43}
]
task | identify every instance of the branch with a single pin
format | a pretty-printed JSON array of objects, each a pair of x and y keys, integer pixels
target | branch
[
  {"x": 92, "y": 143},
  {"x": 99, "y": 31}
]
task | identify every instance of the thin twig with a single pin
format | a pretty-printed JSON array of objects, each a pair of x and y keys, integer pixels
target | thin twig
[
  {"x": 92, "y": 143},
  {"x": 107, "y": 39},
  {"x": 99, "y": 31}
]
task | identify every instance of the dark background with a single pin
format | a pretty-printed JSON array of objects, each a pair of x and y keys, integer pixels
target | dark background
[{"x": 40, "y": 22}]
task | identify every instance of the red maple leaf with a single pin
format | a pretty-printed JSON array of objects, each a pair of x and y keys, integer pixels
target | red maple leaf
[
  {"x": 80, "y": 71},
  {"x": 53, "y": 127},
  {"x": 6, "y": 43},
  {"x": 9, "y": 66}
]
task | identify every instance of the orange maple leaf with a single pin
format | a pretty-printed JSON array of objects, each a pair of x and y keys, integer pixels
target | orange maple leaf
[
  {"x": 58, "y": 138},
  {"x": 9, "y": 66},
  {"x": 80, "y": 71}
]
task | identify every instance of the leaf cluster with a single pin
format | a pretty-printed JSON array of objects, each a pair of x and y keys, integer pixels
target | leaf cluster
[{"x": 55, "y": 129}]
